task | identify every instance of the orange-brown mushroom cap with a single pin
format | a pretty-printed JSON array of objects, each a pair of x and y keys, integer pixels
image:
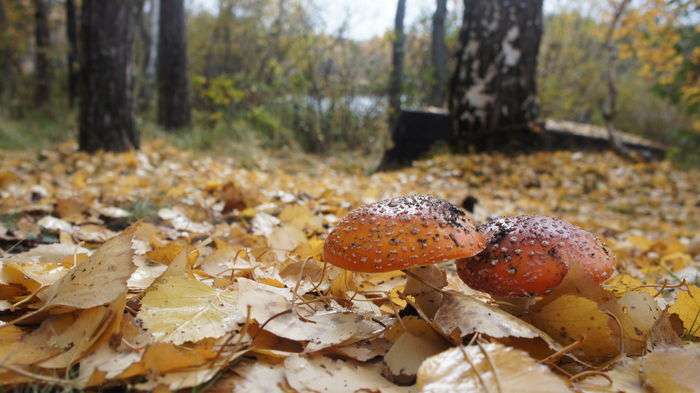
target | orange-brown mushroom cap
[
  {"x": 531, "y": 255},
  {"x": 402, "y": 232}
]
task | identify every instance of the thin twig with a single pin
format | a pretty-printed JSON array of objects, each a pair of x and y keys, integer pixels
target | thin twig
[{"x": 493, "y": 366}]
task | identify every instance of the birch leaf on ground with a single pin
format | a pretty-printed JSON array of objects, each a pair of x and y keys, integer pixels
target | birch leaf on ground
[
  {"x": 84, "y": 332},
  {"x": 321, "y": 374},
  {"x": 673, "y": 369},
  {"x": 408, "y": 352},
  {"x": 36, "y": 346},
  {"x": 687, "y": 306},
  {"x": 252, "y": 377},
  {"x": 42, "y": 265},
  {"x": 625, "y": 378},
  {"x": 178, "y": 308},
  {"x": 504, "y": 369},
  {"x": 461, "y": 315},
  {"x": 98, "y": 281},
  {"x": 570, "y": 318}
]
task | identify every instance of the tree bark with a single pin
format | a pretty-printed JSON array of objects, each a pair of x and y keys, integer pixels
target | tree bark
[
  {"x": 438, "y": 52},
  {"x": 148, "y": 28},
  {"x": 493, "y": 89},
  {"x": 397, "y": 59},
  {"x": 72, "y": 56},
  {"x": 106, "y": 100},
  {"x": 42, "y": 86},
  {"x": 5, "y": 54},
  {"x": 609, "y": 107},
  {"x": 173, "y": 83}
]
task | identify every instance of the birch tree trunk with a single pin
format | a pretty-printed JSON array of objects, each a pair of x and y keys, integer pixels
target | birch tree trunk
[{"x": 493, "y": 89}]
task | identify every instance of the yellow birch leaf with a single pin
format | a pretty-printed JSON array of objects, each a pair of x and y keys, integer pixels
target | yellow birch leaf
[{"x": 687, "y": 306}]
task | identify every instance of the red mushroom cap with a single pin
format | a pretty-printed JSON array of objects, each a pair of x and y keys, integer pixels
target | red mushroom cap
[
  {"x": 531, "y": 255},
  {"x": 402, "y": 232}
]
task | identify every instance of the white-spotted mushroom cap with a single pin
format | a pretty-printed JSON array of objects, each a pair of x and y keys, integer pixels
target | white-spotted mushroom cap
[
  {"x": 531, "y": 255},
  {"x": 401, "y": 232}
]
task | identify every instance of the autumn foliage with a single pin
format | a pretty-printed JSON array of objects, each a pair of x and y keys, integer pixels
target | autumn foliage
[{"x": 162, "y": 270}]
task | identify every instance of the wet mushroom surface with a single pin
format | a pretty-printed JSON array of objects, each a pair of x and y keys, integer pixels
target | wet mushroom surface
[
  {"x": 531, "y": 255},
  {"x": 402, "y": 232}
]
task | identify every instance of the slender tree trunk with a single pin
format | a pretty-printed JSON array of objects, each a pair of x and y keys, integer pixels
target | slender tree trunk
[
  {"x": 148, "y": 28},
  {"x": 42, "y": 86},
  {"x": 4, "y": 53},
  {"x": 106, "y": 102},
  {"x": 609, "y": 107},
  {"x": 72, "y": 56},
  {"x": 493, "y": 90},
  {"x": 173, "y": 84},
  {"x": 397, "y": 58},
  {"x": 438, "y": 51}
]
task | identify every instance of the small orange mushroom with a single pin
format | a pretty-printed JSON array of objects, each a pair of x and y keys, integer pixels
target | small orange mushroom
[
  {"x": 401, "y": 233},
  {"x": 532, "y": 255}
]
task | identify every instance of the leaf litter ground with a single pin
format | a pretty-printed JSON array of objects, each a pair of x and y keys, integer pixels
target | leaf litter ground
[{"x": 162, "y": 270}]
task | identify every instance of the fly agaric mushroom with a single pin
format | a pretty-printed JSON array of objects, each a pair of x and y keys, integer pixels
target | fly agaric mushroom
[
  {"x": 401, "y": 233},
  {"x": 528, "y": 256}
]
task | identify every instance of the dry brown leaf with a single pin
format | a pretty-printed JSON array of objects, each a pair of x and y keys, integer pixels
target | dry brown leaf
[
  {"x": 461, "y": 315},
  {"x": 82, "y": 334},
  {"x": 100, "y": 280},
  {"x": 422, "y": 283},
  {"x": 496, "y": 368}
]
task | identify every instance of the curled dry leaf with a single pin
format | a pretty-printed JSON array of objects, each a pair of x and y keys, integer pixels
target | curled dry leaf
[
  {"x": 461, "y": 315},
  {"x": 637, "y": 312},
  {"x": 495, "y": 368}
]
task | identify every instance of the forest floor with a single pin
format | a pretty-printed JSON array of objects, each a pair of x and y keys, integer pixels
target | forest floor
[{"x": 215, "y": 255}]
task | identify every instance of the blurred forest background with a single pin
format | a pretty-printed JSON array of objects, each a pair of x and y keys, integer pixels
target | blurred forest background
[{"x": 271, "y": 73}]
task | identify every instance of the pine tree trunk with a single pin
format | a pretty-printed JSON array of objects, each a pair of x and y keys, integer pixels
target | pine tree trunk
[
  {"x": 106, "y": 100},
  {"x": 493, "y": 90},
  {"x": 438, "y": 54},
  {"x": 42, "y": 92},
  {"x": 72, "y": 56},
  {"x": 173, "y": 95},
  {"x": 397, "y": 58}
]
